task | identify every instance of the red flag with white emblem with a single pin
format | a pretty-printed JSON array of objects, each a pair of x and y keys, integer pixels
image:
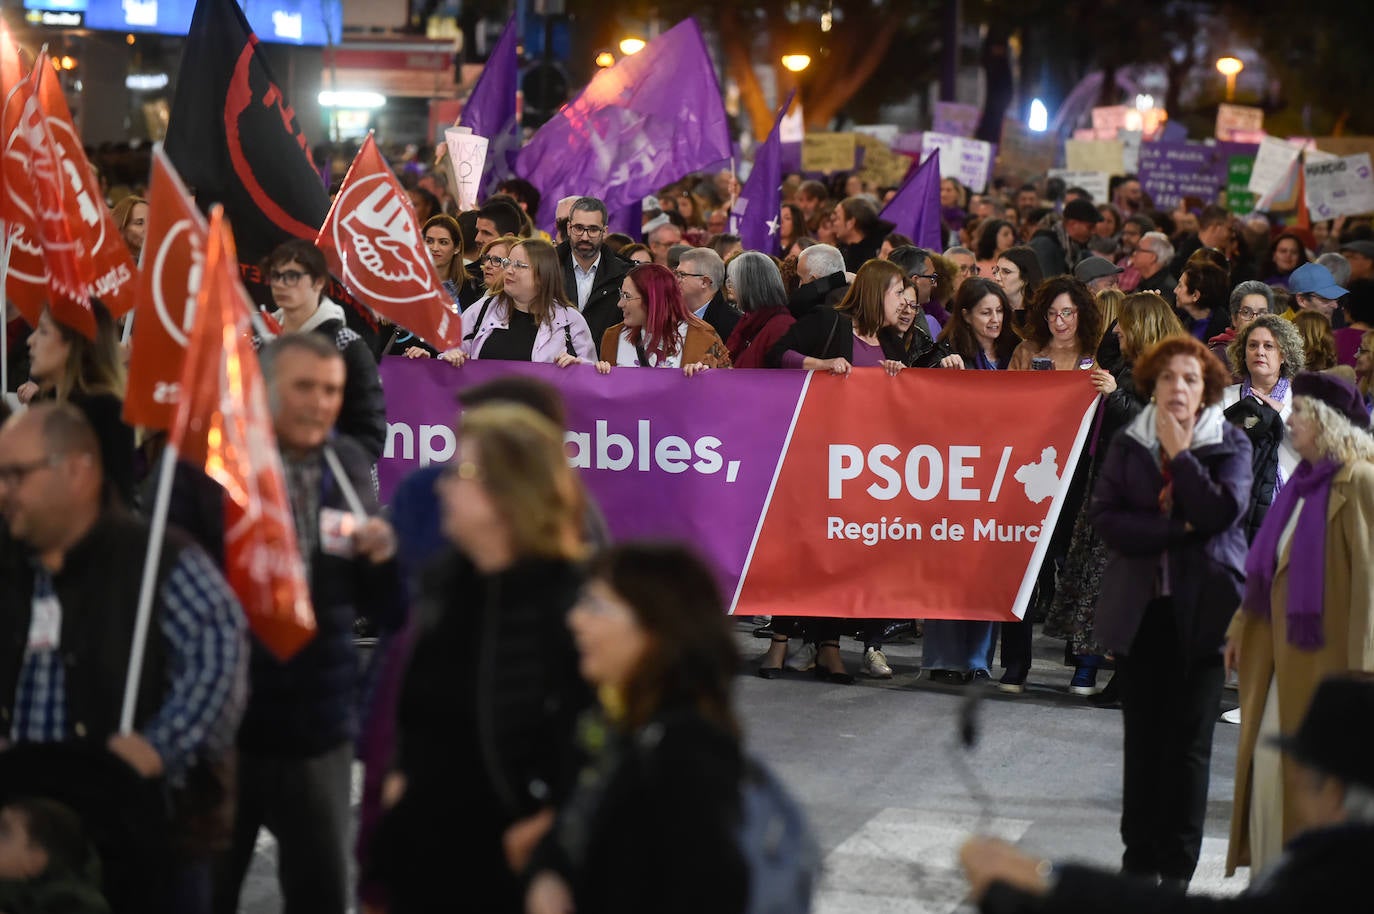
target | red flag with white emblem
[
  {"x": 371, "y": 240},
  {"x": 222, "y": 424},
  {"x": 168, "y": 281}
]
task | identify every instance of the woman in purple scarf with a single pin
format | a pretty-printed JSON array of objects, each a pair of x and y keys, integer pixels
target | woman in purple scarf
[{"x": 1309, "y": 603}]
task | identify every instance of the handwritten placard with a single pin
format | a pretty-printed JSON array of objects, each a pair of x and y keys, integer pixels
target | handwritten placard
[
  {"x": 956, "y": 119},
  {"x": 1094, "y": 182},
  {"x": 1106, "y": 156},
  {"x": 1108, "y": 120},
  {"x": 828, "y": 152},
  {"x": 1243, "y": 118},
  {"x": 969, "y": 161},
  {"x": 1343, "y": 186},
  {"x": 1273, "y": 165},
  {"x": 1171, "y": 171}
]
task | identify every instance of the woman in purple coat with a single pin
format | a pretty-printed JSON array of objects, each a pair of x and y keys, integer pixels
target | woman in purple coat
[{"x": 1169, "y": 505}]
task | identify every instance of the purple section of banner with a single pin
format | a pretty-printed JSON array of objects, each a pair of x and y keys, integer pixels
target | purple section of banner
[{"x": 652, "y": 445}]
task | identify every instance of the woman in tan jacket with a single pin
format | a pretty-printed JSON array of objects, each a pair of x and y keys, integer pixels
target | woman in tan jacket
[
  {"x": 658, "y": 331},
  {"x": 1308, "y": 607}
]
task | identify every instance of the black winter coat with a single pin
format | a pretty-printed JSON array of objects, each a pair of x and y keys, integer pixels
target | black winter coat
[
  {"x": 602, "y": 311},
  {"x": 828, "y": 334},
  {"x": 653, "y": 823},
  {"x": 1262, "y": 424}
]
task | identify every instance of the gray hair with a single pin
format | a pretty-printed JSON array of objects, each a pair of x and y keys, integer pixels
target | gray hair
[
  {"x": 756, "y": 281},
  {"x": 1252, "y": 287},
  {"x": 1339, "y": 267},
  {"x": 1159, "y": 246},
  {"x": 1285, "y": 334},
  {"x": 958, "y": 251},
  {"x": 589, "y": 205},
  {"x": 708, "y": 262},
  {"x": 821, "y": 260}
]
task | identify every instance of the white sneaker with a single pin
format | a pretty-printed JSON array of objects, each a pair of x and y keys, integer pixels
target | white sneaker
[
  {"x": 1232, "y": 716},
  {"x": 803, "y": 658},
  {"x": 875, "y": 664}
]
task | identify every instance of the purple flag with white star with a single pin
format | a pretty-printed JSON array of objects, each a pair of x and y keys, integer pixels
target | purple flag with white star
[
  {"x": 490, "y": 110},
  {"x": 756, "y": 212},
  {"x": 640, "y": 124},
  {"x": 915, "y": 211}
]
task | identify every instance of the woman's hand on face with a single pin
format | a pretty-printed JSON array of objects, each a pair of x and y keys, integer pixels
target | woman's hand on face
[
  {"x": 455, "y": 357},
  {"x": 564, "y": 359},
  {"x": 837, "y": 366},
  {"x": 1173, "y": 436},
  {"x": 603, "y": 367},
  {"x": 415, "y": 352},
  {"x": 892, "y": 367},
  {"x": 1103, "y": 381},
  {"x": 952, "y": 361},
  {"x": 694, "y": 369}
]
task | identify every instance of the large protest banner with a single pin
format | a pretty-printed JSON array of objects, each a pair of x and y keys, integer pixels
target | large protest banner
[{"x": 923, "y": 495}]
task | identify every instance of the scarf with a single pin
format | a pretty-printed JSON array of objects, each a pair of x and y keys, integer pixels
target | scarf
[
  {"x": 1280, "y": 393},
  {"x": 1307, "y": 556}
]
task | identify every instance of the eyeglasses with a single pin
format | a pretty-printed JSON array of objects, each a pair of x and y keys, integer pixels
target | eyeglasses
[
  {"x": 626, "y": 296},
  {"x": 998, "y": 271},
  {"x": 971, "y": 270},
  {"x": 1249, "y": 314},
  {"x": 14, "y": 474},
  {"x": 492, "y": 260},
  {"x": 1063, "y": 314},
  {"x": 591, "y": 231},
  {"x": 508, "y": 264},
  {"x": 681, "y": 275},
  {"x": 1139, "y": 251},
  {"x": 910, "y": 304},
  {"x": 1363, "y": 350},
  {"x": 930, "y": 276},
  {"x": 464, "y": 469},
  {"x": 286, "y": 278}
]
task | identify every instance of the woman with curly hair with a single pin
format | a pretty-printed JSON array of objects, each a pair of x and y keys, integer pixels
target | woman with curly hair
[
  {"x": 1267, "y": 354},
  {"x": 1318, "y": 341},
  {"x": 1063, "y": 328},
  {"x": 1308, "y": 607}
]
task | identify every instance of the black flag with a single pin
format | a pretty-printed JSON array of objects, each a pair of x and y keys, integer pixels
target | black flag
[{"x": 236, "y": 140}]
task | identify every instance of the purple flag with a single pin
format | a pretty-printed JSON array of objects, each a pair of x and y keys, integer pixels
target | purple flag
[
  {"x": 490, "y": 109},
  {"x": 756, "y": 212},
  {"x": 915, "y": 211},
  {"x": 638, "y": 125}
]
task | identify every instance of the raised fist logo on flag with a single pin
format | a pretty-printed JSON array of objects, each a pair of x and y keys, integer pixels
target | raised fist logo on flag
[{"x": 372, "y": 243}]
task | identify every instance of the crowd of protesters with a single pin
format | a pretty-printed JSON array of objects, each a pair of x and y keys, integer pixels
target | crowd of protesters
[{"x": 551, "y": 691}]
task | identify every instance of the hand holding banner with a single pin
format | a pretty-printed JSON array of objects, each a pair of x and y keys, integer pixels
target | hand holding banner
[{"x": 372, "y": 243}]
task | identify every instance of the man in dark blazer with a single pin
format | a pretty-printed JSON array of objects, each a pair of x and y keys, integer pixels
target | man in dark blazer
[
  {"x": 701, "y": 277},
  {"x": 592, "y": 273}
]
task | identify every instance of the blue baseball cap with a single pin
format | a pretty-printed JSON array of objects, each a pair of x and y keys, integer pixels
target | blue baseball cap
[{"x": 1314, "y": 279}]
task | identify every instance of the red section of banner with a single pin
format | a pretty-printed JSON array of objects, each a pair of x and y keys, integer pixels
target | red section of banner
[
  {"x": 919, "y": 496},
  {"x": 223, "y": 425},
  {"x": 26, "y": 281},
  {"x": 89, "y": 219},
  {"x": 372, "y": 243},
  {"x": 174, "y": 256}
]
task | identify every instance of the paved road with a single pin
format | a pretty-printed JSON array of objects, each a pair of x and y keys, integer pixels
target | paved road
[{"x": 876, "y": 766}]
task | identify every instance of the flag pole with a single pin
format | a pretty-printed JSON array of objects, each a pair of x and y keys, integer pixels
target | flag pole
[
  {"x": 156, "y": 535},
  {"x": 350, "y": 494},
  {"x": 5, "y": 321}
]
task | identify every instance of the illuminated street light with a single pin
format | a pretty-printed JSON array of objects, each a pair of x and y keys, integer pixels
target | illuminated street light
[
  {"x": 631, "y": 45},
  {"x": 796, "y": 62},
  {"x": 1039, "y": 117},
  {"x": 605, "y": 59},
  {"x": 1230, "y": 67}
]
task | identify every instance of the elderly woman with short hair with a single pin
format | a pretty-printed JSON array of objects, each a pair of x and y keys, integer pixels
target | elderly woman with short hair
[
  {"x": 1249, "y": 300},
  {"x": 1309, "y": 604},
  {"x": 1267, "y": 354}
]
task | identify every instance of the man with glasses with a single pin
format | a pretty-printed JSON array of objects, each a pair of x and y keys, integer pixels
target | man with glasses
[
  {"x": 592, "y": 273},
  {"x": 70, "y": 575},
  {"x": 701, "y": 277},
  {"x": 967, "y": 262},
  {"x": 1151, "y": 260}
]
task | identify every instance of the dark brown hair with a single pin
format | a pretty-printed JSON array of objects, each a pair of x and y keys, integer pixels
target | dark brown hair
[
  {"x": 1037, "y": 328},
  {"x": 864, "y": 300},
  {"x": 1215, "y": 377},
  {"x": 958, "y": 331},
  {"x": 676, "y": 600}
]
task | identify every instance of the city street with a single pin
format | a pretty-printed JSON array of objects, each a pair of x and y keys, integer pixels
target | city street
[{"x": 878, "y": 768}]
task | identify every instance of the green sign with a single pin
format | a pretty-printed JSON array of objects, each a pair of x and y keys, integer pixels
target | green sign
[{"x": 1239, "y": 200}]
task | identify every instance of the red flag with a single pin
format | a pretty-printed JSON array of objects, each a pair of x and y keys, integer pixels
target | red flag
[
  {"x": 166, "y": 293},
  {"x": 35, "y": 195},
  {"x": 372, "y": 243},
  {"x": 112, "y": 265},
  {"x": 222, "y": 424},
  {"x": 26, "y": 278}
]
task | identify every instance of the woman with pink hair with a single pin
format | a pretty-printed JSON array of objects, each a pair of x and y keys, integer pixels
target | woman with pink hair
[{"x": 659, "y": 331}]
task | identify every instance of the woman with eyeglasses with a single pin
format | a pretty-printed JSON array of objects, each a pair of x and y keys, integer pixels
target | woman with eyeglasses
[
  {"x": 527, "y": 320},
  {"x": 1063, "y": 329},
  {"x": 657, "y": 330},
  {"x": 1018, "y": 273},
  {"x": 297, "y": 273},
  {"x": 491, "y": 694},
  {"x": 1248, "y": 301}
]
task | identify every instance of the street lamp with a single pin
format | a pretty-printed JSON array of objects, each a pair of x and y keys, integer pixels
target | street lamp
[
  {"x": 605, "y": 59},
  {"x": 631, "y": 45},
  {"x": 1229, "y": 67},
  {"x": 796, "y": 62}
]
